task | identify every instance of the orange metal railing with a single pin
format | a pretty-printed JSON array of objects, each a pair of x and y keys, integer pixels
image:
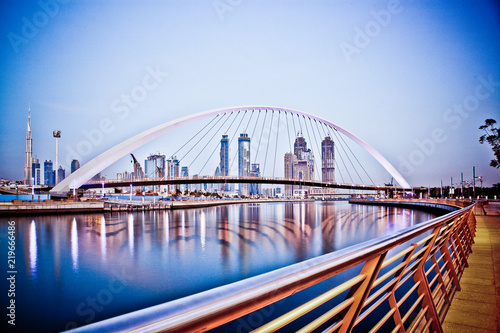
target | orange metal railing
[{"x": 406, "y": 284}]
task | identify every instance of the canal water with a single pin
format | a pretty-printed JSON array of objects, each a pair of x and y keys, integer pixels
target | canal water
[{"x": 72, "y": 270}]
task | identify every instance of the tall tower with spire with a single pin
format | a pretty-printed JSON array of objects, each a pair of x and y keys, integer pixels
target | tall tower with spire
[{"x": 29, "y": 152}]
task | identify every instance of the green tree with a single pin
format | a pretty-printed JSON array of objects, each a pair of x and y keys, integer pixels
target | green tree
[{"x": 492, "y": 136}]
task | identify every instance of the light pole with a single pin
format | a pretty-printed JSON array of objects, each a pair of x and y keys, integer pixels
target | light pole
[
  {"x": 473, "y": 182},
  {"x": 57, "y": 135},
  {"x": 481, "y": 178},
  {"x": 130, "y": 192}
]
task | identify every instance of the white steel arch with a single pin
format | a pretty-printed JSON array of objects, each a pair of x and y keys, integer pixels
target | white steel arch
[{"x": 99, "y": 163}]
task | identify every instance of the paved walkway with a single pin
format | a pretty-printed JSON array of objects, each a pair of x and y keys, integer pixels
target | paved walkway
[{"x": 476, "y": 308}]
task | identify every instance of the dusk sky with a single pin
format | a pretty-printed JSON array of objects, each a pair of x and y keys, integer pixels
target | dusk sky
[{"x": 414, "y": 79}]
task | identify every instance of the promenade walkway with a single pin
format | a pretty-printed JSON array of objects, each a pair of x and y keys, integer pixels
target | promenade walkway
[{"x": 476, "y": 308}]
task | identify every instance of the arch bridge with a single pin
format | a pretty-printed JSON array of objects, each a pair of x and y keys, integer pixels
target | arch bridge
[{"x": 302, "y": 123}]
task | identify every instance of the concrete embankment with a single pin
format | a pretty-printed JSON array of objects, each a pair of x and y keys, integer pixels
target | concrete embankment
[
  {"x": 34, "y": 208},
  {"x": 434, "y": 206}
]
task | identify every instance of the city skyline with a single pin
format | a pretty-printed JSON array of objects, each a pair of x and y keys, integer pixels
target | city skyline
[{"x": 416, "y": 87}]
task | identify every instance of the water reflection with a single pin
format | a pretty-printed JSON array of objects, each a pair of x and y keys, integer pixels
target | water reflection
[
  {"x": 170, "y": 254},
  {"x": 74, "y": 244},
  {"x": 130, "y": 228},
  {"x": 33, "y": 250},
  {"x": 103, "y": 238}
]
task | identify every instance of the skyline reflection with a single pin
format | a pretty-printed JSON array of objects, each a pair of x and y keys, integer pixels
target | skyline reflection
[{"x": 162, "y": 256}]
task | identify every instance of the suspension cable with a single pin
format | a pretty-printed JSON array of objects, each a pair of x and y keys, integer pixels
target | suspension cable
[
  {"x": 203, "y": 137},
  {"x": 310, "y": 138},
  {"x": 373, "y": 183},
  {"x": 195, "y": 135},
  {"x": 288, "y": 131},
  {"x": 236, "y": 152},
  {"x": 341, "y": 158},
  {"x": 267, "y": 146},
  {"x": 209, "y": 142},
  {"x": 260, "y": 137},
  {"x": 276, "y": 146}
]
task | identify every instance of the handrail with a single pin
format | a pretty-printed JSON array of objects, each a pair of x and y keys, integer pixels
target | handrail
[{"x": 446, "y": 246}]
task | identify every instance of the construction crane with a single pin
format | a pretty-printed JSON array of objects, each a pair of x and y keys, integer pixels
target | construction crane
[
  {"x": 138, "y": 173},
  {"x": 160, "y": 172}
]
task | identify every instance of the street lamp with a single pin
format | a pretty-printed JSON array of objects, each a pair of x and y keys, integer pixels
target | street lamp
[
  {"x": 57, "y": 135},
  {"x": 481, "y": 179}
]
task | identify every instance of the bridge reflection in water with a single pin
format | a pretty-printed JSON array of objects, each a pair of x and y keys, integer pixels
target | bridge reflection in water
[{"x": 85, "y": 268}]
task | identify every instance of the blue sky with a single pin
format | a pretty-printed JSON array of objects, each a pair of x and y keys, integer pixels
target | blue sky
[{"x": 415, "y": 79}]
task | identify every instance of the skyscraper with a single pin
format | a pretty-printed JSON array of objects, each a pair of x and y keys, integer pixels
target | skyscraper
[
  {"x": 184, "y": 173},
  {"x": 255, "y": 188},
  {"x": 48, "y": 173},
  {"x": 61, "y": 174},
  {"x": 299, "y": 165},
  {"x": 36, "y": 171},
  {"x": 173, "y": 171},
  {"x": 28, "y": 164},
  {"x": 155, "y": 166},
  {"x": 244, "y": 161},
  {"x": 327, "y": 160},
  {"x": 300, "y": 146},
  {"x": 224, "y": 160},
  {"x": 75, "y": 165}
]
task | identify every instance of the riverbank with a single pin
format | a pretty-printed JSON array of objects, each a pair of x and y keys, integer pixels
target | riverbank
[
  {"x": 431, "y": 205},
  {"x": 55, "y": 207},
  {"x": 49, "y": 207}
]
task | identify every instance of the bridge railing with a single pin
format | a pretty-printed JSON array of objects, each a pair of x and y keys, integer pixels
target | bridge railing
[
  {"x": 402, "y": 282},
  {"x": 234, "y": 179}
]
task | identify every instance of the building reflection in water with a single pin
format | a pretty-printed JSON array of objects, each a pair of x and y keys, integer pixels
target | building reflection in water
[
  {"x": 33, "y": 250},
  {"x": 74, "y": 244},
  {"x": 103, "y": 238},
  {"x": 130, "y": 228},
  {"x": 165, "y": 255}
]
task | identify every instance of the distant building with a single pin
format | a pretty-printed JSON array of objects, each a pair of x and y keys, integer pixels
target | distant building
[
  {"x": 244, "y": 161},
  {"x": 184, "y": 173},
  {"x": 195, "y": 187},
  {"x": 255, "y": 188},
  {"x": 61, "y": 174},
  {"x": 328, "y": 160},
  {"x": 224, "y": 160},
  {"x": 75, "y": 165},
  {"x": 173, "y": 171},
  {"x": 28, "y": 165},
  {"x": 299, "y": 165},
  {"x": 327, "y": 168},
  {"x": 96, "y": 178},
  {"x": 49, "y": 175},
  {"x": 36, "y": 172},
  {"x": 155, "y": 168}
]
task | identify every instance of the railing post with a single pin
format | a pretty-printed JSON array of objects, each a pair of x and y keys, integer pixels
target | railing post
[
  {"x": 424, "y": 288},
  {"x": 398, "y": 320},
  {"x": 360, "y": 293}
]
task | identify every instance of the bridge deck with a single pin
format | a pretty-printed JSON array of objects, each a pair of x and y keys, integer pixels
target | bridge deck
[{"x": 476, "y": 308}]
